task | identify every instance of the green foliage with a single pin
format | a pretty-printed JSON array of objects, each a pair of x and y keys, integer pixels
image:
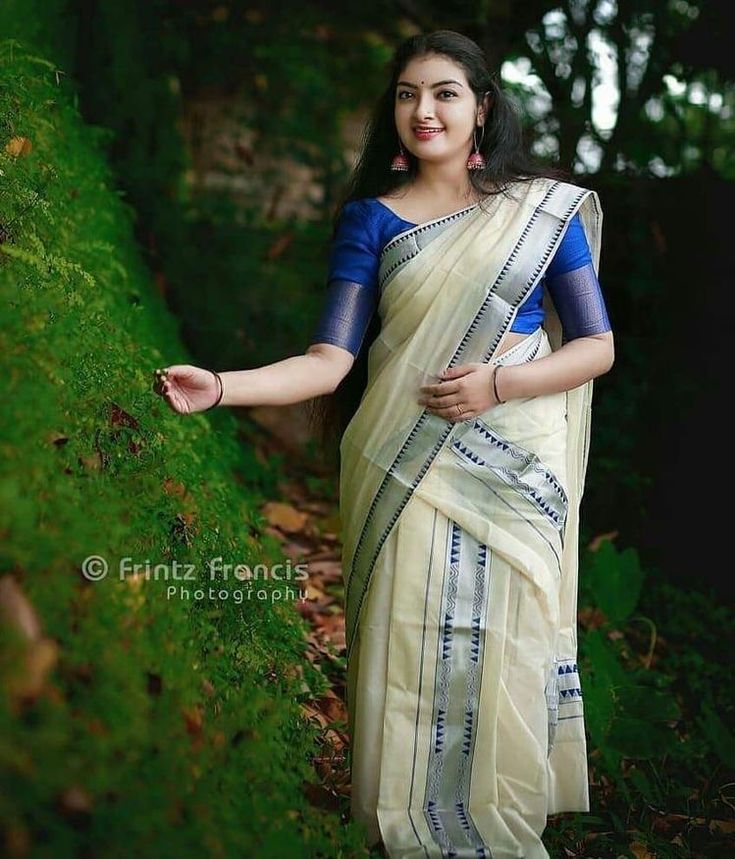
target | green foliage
[
  {"x": 659, "y": 740},
  {"x": 614, "y": 580},
  {"x": 628, "y": 714},
  {"x": 159, "y": 721},
  {"x": 230, "y": 290}
]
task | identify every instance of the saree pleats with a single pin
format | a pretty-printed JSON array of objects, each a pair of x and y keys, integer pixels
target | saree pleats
[{"x": 460, "y": 549}]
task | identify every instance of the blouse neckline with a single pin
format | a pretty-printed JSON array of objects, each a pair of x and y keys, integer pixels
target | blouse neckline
[{"x": 425, "y": 223}]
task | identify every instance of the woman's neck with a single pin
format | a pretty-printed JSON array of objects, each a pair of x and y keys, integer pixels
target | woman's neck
[{"x": 444, "y": 182}]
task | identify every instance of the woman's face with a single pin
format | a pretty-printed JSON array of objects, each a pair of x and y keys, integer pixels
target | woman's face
[{"x": 436, "y": 112}]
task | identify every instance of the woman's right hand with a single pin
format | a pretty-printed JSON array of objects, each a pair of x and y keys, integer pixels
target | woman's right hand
[{"x": 185, "y": 388}]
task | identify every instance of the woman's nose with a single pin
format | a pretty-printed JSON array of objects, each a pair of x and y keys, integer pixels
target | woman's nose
[{"x": 425, "y": 106}]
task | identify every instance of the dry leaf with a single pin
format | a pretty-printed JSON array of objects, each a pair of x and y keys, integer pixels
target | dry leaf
[
  {"x": 314, "y": 715},
  {"x": 174, "y": 487},
  {"x": 19, "y": 146},
  {"x": 92, "y": 463},
  {"x": 193, "y": 719},
  {"x": 321, "y": 508},
  {"x": 600, "y": 539},
  {"x": 17, "y": 610},
  {"x": 325, "y": 571},
  {"x": 591, "y": 618},
  {"x": 120, "y": 418},
  {"x": 284, "y": 516},
  {"x": 75, "y": 800},
  {"x": 332, "y": 707},
  {"x": 313, "y": 593},
  {"x": 332, "y": 627},
  {"x": 295, "y": 551},
  {"x": 325, "y": 553}
]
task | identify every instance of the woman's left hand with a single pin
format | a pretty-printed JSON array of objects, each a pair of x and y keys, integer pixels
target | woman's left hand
[{"x": 464, "y": 392}]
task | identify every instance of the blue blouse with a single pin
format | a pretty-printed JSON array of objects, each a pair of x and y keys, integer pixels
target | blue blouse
[{"x": 367, "y": 225}]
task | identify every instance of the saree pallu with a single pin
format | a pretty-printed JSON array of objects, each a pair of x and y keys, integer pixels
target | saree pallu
[{"x": 460, "y": 547}]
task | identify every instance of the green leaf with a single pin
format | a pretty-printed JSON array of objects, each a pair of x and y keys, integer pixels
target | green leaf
[{"x": 613, "y": 580}]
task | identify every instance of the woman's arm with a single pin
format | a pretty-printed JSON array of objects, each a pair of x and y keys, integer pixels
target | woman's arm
[
  {"x": 469, "y": 390},
  {"x": 188, "y": 389},
  {"x": 576, "y": 362},
  {"x": 292, "y": 380}
]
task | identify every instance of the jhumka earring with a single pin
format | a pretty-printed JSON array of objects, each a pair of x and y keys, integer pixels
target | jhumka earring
[
  {"x": 476, "y": 161},
  {"x": 399, "y": 164}
]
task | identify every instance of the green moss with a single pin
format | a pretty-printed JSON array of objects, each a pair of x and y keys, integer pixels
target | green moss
[{"x": 167, "y": 723}]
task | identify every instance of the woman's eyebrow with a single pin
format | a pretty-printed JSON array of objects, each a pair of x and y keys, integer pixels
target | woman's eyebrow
[{"x": 438, "y": 83}]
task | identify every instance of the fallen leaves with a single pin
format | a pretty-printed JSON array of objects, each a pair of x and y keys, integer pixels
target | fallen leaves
[
  {"x": 118, "y": 417},
  {"x": 330, "y": 714},
  {"x": 19, "y": 147},
  {"x": 307, "y": 529},
  {"x": 285, "y": 516}
]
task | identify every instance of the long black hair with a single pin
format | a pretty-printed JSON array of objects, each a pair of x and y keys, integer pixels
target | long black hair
[{"x": 507, "y": 159}]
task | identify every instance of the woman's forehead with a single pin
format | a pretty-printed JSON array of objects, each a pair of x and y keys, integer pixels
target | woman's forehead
[{"x": 431, "y": 68}]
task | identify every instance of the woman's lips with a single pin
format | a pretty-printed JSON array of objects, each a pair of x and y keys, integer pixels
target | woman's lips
[{"x": 423, "y": 134}]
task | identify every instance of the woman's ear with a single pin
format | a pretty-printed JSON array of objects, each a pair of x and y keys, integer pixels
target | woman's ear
[{"x": 485, "y": 105}]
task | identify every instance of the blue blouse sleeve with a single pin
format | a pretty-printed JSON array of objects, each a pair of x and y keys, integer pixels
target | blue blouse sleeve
[
  {"x": 574, "y": 287},
  {"x": 351, "y": 298}
]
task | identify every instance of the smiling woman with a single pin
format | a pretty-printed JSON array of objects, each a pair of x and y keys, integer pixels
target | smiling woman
[
  {"x": 462, "y": 327},
  {"x": 463, "y": 455}
]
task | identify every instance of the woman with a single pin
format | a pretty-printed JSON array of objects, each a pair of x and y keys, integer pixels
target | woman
[{"x": 462, "y": 464}]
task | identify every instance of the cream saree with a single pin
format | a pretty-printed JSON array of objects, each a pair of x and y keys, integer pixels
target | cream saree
[{"x": 460, "y": 547}]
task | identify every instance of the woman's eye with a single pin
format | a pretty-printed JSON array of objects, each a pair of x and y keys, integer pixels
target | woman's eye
[{"x": 444, "y": 92}]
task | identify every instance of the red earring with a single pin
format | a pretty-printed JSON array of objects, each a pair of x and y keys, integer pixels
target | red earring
[
  {"x": 399, "y": 164},
  {"x": 476, "y": 161}
]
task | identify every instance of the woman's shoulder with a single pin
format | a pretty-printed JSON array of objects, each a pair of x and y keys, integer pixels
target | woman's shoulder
[
  {"x": 361, "y": 210},
  {"x": 356, "y": 216},
  {"x": 372, "y": 220},
  {"x": 370, "y": 214},
  {"x": 361, "y": 224},
  {"x": 368, "y": 205}
]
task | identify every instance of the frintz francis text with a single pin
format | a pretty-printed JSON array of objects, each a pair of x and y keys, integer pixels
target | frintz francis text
[{"x": 215, "y": 570}]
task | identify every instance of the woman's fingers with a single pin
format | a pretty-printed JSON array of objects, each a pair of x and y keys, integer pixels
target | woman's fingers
[
  {"x": 185, "y": 388},
  {"x": 450, "y": 412},
  {"x": 160, "y": 376}
]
